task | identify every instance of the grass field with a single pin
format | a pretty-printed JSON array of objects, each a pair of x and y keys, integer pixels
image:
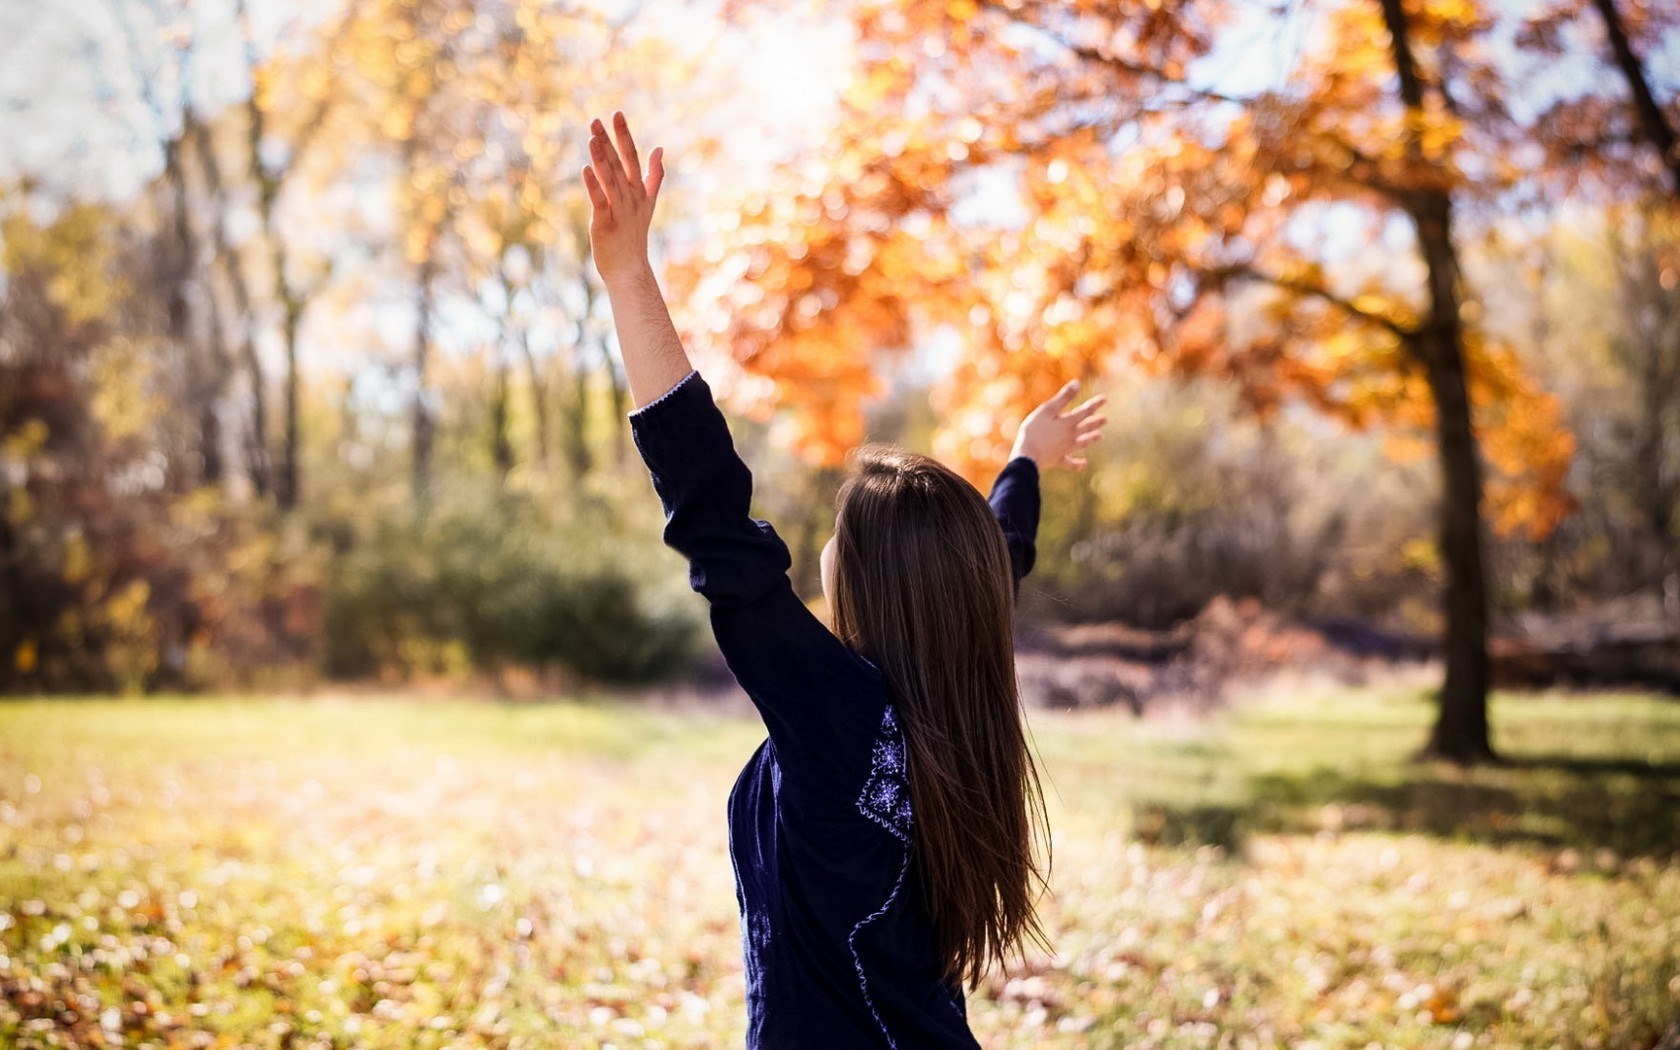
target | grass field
[{"x": 391, "y": 873}]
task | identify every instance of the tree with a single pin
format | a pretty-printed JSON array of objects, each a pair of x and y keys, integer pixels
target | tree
[
  {"x": 473, "y": 106},
  {"x": 1206, "y": 231},
  {"x": 1461, "y": 730},
  {"x": 185, "y": 254},
  {"x": 1605, "y": 138},
  {"x": 1653, "y": 122},
  {"x": 287, "y": 105},
  {"x": 400, "y": 60}
]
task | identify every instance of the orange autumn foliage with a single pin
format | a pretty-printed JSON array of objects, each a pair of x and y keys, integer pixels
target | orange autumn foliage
[{"x": 1066, "y": 186}]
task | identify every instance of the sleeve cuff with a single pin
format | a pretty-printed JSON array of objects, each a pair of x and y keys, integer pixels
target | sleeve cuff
[
  {"x": 1022, "y": 463},
  {"x": 679, "y": 429},
  {"x": 684, "y": 381}
]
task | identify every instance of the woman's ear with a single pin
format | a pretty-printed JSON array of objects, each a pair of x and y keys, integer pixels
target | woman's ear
[{"x": 825, "y": 563}]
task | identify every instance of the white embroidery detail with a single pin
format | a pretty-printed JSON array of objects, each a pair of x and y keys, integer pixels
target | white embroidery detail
[
  {"x": 851, "y": 942},
  {"x": 886, "y": 794},
  {"x": 885, "y": 800}
]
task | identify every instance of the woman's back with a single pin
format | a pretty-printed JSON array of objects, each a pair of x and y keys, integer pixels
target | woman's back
[
  {"x": 882, "y": 835},
  {"x": 839, "y": 947}
]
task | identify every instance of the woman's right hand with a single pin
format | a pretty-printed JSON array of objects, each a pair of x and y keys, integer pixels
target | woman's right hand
[
  {"x": 1052, "y": 433},
  {"x": 621, "y": 200}
]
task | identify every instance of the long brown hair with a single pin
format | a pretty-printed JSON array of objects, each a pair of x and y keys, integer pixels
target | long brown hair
[{"x": 922, "y": 588}]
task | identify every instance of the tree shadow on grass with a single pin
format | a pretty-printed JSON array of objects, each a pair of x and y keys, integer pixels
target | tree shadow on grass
[
  {"x": 1588, "y": 807},
  {"x": 1159, "y": 823},
  {"x": 1596, "y": 766},
  {"x": 1550, "y": 801}
]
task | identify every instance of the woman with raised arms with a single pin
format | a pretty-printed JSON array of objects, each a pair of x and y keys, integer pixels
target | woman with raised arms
[{"x": 886, "y": 835}]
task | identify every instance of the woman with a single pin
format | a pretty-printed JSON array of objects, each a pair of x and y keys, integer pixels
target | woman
[{"x": 883, "y": 836}]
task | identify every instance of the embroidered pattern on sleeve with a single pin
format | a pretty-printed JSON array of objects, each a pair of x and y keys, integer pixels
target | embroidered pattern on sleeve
[{"x": 886, "y": 794}]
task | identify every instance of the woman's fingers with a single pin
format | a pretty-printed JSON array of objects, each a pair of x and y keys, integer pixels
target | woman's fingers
[
  {"x": 608, "y": 165},
  {"x": 1089, "y": 406},
  {"x": 656, "y": 171},
  {"x": 605, "y": 165},
  {"x": 618, "y": 168},
  {"x": 1091, "y": 424},
  {"x": 597, "y": 196},
  {"x": 627, "y": 150}
]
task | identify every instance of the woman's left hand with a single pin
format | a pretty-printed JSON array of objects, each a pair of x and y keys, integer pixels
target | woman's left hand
[
  {"x": 621, "y": 200},
  {"x": 1052, "y": 434}
]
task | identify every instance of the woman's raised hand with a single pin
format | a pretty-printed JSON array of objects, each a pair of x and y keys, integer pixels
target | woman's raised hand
[
  {"x": 621, "y": 199},
  {"x": 1052, "y": 433}
]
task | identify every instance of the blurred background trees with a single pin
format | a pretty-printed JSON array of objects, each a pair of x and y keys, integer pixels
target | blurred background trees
[{"x": 302, "y": 370}]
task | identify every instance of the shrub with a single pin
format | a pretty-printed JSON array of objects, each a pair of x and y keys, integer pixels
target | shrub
[{"x": 497, "y": 582}]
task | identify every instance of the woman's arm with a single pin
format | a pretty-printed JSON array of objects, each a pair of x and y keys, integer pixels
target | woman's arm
[
  {"x": 622, "y": 202},
  {"x": 1049, "y": 436},
  {"x": 1015, "y": 501},
  {"x": 820, "y": 701}
]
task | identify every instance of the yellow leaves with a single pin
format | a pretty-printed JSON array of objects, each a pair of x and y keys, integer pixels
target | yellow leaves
[
  {"x": 20, "y": 507},
  {"x": 262, "y": 86},
  {"x": 1421, "y": 554},
  {"x": 1436, "y": 133},
  {"x": 78, "y": 561},
  {"x": 418, "y": 243},
  {"x": 316, "y": 82},
  {"x": 131, "y": 650},
  {"x": 73, "y": 253},
  {"x": 396, "y": 124},
  {"x": 24, "y": 441},
  {"x": 124, "y": 400}
]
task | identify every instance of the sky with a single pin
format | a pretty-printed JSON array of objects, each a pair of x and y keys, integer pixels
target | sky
[{"x": 73, "y": 105}]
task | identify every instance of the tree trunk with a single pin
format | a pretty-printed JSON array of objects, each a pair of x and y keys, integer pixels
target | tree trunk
[
  {"x": 1658, "y": 490},
  {"x": 1652, "y": 123},
  {"x": 578, "y": 454},
  {"x": 293, "y": 301},
  {"x": 423, "y": 428},
  {"x": 289, "y": 490},
  {"x": 207, "y": 377},
  {"x": 1461, "y": 726},
  {"x": 620, "y": 407},
  {"x": 501, "y": 451},
  {"x": 258, "y": 464},
  {"x": 539, "y": 395},
  {"x": 576, "y": 432}
]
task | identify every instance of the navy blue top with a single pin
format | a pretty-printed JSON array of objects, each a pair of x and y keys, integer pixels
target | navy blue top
[{"x": 839, "y": 947}]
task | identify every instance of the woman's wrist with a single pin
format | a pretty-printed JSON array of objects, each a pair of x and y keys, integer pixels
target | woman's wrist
[{"x": 629, "y": 278}]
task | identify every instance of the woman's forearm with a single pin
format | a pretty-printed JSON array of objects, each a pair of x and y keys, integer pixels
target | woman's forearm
[
  {"x": 654, "y": 358},
  {"x": 621, "y": 202}
]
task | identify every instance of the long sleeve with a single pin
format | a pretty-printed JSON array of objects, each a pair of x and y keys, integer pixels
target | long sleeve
[
  {"x": 1015, "y": 503},
  {"x": 706, "y": 491},
  {"x": 821, "y": 702}
]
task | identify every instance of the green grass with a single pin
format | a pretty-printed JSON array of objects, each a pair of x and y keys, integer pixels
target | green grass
[{"x": 393, "y": 873}]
